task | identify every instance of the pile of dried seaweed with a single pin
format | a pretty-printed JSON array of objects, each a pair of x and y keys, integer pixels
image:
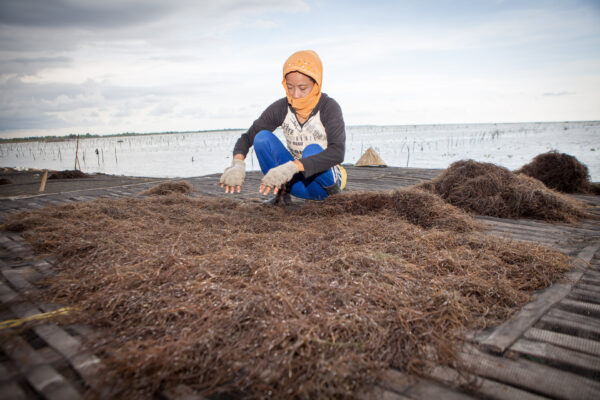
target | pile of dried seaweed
[
  {"x": 488, "y": 189},
  {"x": 169, "y": 187},
  {"x": 68, "y": 174},
  {"x": 559, "y": 171},
  {"x": 416, "y": 206},
  {"x": 272, "y": 302}
]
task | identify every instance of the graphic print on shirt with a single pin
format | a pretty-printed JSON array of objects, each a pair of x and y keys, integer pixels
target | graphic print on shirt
[{"x": 298, "y": 137}]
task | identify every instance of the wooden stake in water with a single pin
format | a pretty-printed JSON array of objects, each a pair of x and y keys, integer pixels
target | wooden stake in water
[
  {"x": 76, "y": 151},
  {"x": 44, "y": 178}
]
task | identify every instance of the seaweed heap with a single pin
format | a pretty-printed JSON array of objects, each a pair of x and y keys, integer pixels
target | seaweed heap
[
  {"x": 169, "y": 187},
  {"x": 488, "y": 189},
  {"x": 559, "y": 171},
  {"x": 416, "y": 206},
  {"x": 68, "y": 174},
  {"x": 311, "y": 303}
]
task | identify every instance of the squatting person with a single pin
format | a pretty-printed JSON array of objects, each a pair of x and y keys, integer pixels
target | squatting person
[{"x": 308, "y": 166}]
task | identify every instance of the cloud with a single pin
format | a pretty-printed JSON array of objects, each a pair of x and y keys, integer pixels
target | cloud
[
  {"x": 31, "y": 65},
  {"x": 133, "y": 65},
  {"x": 557, "y": 94},
  {"x": 65, "y": 24},
  {"x": 80, "y": 13}
]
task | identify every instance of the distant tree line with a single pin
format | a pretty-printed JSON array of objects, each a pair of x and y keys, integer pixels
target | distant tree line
[{"x": 89, "y": 135}]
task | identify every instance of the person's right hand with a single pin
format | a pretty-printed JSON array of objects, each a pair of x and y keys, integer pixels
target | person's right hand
[{"x": 233, "y": 177}]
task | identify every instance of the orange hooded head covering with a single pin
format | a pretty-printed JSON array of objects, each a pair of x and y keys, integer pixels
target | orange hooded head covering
[{"x": 306, "y": 62}]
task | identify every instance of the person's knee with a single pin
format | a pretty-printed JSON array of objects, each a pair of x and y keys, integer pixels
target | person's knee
[
  {"x": 262, "y": 138},
  {"x": 311, "y": 150}
]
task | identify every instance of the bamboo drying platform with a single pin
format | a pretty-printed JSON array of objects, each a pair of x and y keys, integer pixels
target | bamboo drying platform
[{"x": 550, "y": 349}]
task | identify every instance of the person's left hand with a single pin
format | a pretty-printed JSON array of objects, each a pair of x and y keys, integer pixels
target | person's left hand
[{"x": 278, "y": 176}]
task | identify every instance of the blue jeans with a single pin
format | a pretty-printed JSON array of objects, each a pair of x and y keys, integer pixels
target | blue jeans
[{"x": 271, "y": 153}]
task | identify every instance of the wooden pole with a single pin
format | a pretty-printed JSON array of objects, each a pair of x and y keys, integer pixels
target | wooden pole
[
  {"x": 76, "y": 151},
  {"x": 44, "y": 178}
]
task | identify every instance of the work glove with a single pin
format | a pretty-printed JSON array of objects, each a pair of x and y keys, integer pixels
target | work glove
[
  {"x": 234, "y": 175},
  {"x": 280, "y": 175}
]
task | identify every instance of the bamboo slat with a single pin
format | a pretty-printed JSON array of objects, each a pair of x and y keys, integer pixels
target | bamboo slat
[
  {"x": 557, "y": 354},
  {"x": 532, "y": 376},
  {"x": 567, "y": 341},
  {"x": 43, "y": 377},
  {"x": 485, "y": 388}
]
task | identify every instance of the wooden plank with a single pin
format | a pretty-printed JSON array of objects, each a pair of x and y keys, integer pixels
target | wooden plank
[
  {"x": 9, "y": 389},
  {"x": 590, "y": 281},
  {"x": 580, "y": 307},
  {"x": 594, "y": 267},
  {"x": 86, "y": 364},
  {"x": 573, "y": 317},
  {"x": 86, "y": 332},
  {"x": 588, "y": 252},
  {"x": 532, "y": 224},
  {"x": 28, "y": 273},
  {"x": 557, "y": 354},
  {"x": 20, "y": 246},
  {"x": 578, "y": 328},
  {"x": 44, "y": 379},
  {"x": 377, "y": 393},
  {"x": 527, "y": 237},
  {"x": 482, "y": 387},
  {"x": 514, "y": 227},
  {"x": 6, "y": 293},
  {"x": 507, "y": 333},
  {"x": 16, "y": 279},
  {"x": 538, "y": 237},
  {"x": 44, "y": 267},
  {"x": 425, "y": 390},
  {"x": 562, "y": 339},
  {"x": 532, "y": 376},
  {"x": 591, "y": 274},
  {"x": 539, "y": 230},
  {"x": 584, "y": 295},
  {"x": 395, "y": 380},
  {"x": 588, "y": 287}
]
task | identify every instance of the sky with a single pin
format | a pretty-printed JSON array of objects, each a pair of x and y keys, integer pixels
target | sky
[{"x": 105, "y": 67}]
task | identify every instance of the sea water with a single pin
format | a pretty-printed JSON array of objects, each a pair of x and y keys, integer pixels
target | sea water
[{"x": 419, "y": 146}]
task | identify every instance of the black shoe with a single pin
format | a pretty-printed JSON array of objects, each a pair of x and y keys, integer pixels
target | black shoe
[{"x": 282, "y": 198}]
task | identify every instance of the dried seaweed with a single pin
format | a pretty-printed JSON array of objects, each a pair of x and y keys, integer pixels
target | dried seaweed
[
  {"x": 559, "y": 171},
  {"x": 416, "y": 206},
  {"x": 488, "y": 189},
  {"x": 268, "y": 302},
  {"x": 169, "y": 187},
  {"x": 69, "y": 174}
]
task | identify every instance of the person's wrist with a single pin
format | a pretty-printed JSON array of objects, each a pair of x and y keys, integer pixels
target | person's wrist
[
  {"x": 239, "y": 162},
  {"x": 299, "y": 165}
]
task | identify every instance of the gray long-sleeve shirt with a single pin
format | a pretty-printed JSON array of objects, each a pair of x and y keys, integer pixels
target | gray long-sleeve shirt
[{"x": 325, "y": 127}]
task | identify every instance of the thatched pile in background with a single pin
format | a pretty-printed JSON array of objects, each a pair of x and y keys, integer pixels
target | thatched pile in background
[
  {"x": 169, "y": 187},
  {"x": 308, "y": 303},
  {"x": 559, "y": 171},
  {"x": 370, "y": 158},
  {"x": 488, "y": 189},
  {"x": 68, "y": 174}
]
